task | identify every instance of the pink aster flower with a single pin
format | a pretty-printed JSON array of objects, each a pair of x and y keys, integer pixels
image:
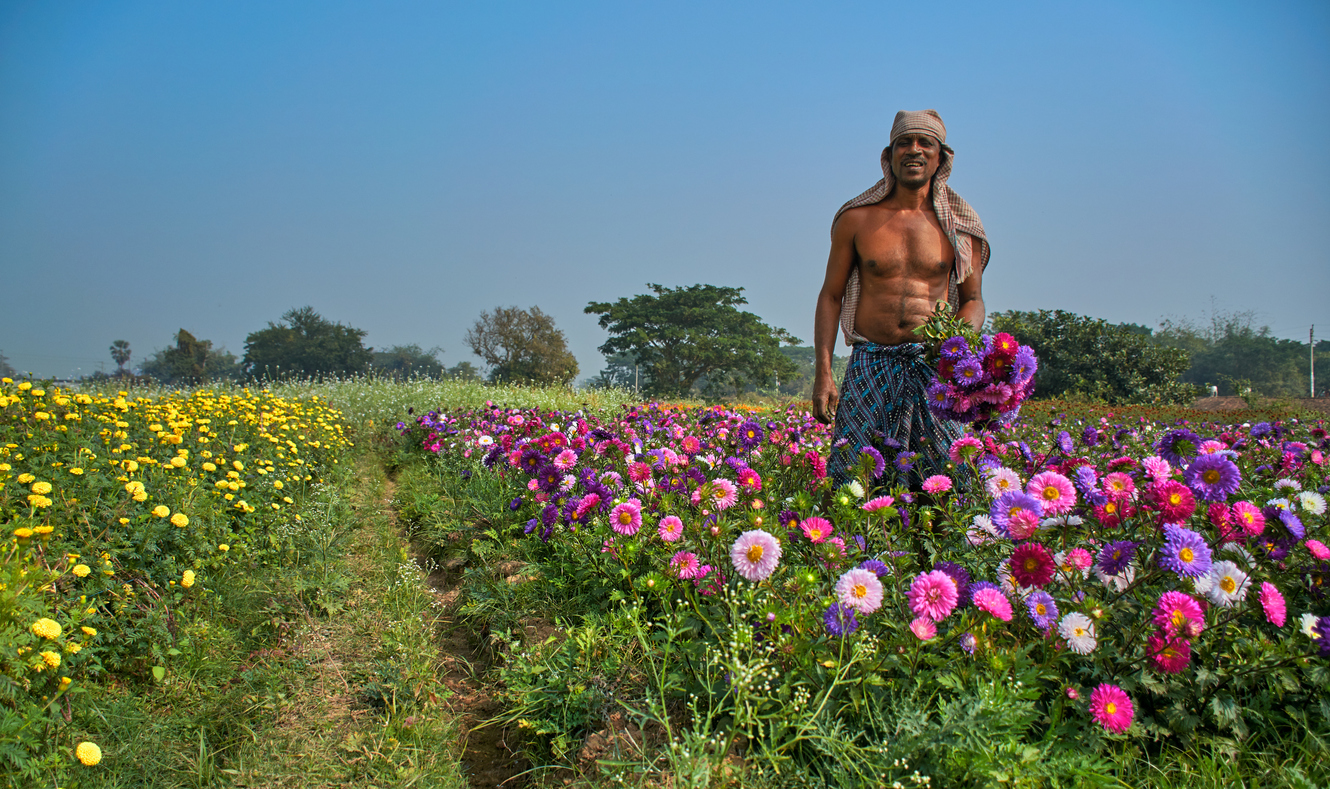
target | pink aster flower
[
  {"x": 1169, "y": 653},
  {"x": 1273, "y": 603},
  {"x": 1111, "y": 708},
  {"x": 1158, "y": 468},
  {"x": 923, "y": 628},
  {"x": 1054, "y": 491},
  {"x": 1249, "y": 517},
  {"x": 938, "y": 483},
  {"x": 565, "y": 460},
  {"x": 994, "y": 602},
  {"x": 1318, "y": 549},
  {"x": 755, "y": 555},
  {"x": 1080, "y": 558},
  {"x": 724, "y": 494},
  {"x": 587, "y": 504},
  {"x": 685, "y": 564},
  {"x": 626, "y": 518},
  {"x": 639, "y": 472},
  {"x": 964, "y": 449},
  {"x": 881, "y": 502},
  {"x": 1118, "y": 486},
  {"x": 690, "y": 445},
  {"x": 671, "y": 528},
  {"x": 860, "y": 589},
  {"x": 1178, "y": 614},
  {"x": 750, "y": 480},
  {"x": 933, "y": 595},
  {"x": 817, "y": 529},
  {"x": 1022, "y": 524}
]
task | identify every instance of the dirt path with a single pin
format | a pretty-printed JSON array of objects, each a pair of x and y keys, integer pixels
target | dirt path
[{"x": 488, "y": 761}]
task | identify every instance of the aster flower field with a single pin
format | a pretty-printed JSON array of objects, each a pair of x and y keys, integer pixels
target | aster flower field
[
  {"x": 120, "y": 514},
  {"x": 1072, "y": 595}
]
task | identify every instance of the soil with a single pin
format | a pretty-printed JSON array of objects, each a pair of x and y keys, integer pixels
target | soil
[{"x": 1321, "y": 404}]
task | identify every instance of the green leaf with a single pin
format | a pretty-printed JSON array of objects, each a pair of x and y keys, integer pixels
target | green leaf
[{"x": 159, "y": 673}]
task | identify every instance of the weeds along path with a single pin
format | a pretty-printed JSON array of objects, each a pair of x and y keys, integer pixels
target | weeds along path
[{"x": 487, "y": 759}]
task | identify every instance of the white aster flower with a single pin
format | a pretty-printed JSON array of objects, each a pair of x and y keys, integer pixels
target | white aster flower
[
  {"x": 1117, "y": 582},
  {"x": 1308, "y": 625},
  {"x": 1312, "y": 502},
  {"x": 855, "y": 488},
  {"x": 1228, "y": 584},
  {"x": 1286, "y": 484},
  {"x": 1002, "y": 479},
  {"x": 1079, "y": 632},
  {"x": 1279, "y": 504}
]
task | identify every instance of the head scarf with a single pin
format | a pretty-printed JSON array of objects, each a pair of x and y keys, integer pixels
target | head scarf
[{"x": 955, "y": 215}]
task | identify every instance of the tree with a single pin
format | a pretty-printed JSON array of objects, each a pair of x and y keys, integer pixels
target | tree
[
  {"x": 408, "y": 361},
  {"x": 621, "y": 372},
  {"x": 120, "y": 355},
  {"x": 6, "y": 370},
  {"x": 1232, "y": 353},
  {"x": 463, "y": 371},
  {"x": 1089, "y": 358},
  {"x": 307, "y": 344},
  {"x": 522, "y": 346},
  {"x": 191, "y": 361},
  {"x": 681, "y": 335}
]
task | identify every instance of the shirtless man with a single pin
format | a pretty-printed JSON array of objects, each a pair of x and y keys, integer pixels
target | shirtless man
[{"x": 894, "y": 255}]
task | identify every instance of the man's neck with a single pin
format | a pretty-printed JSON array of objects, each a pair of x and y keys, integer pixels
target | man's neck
[{"x": 905, "y": 198}]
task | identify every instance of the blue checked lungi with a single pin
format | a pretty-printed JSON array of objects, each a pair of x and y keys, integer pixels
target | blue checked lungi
[{"x": 884, "y": 397}]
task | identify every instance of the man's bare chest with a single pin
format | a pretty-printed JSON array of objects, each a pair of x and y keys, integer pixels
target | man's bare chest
[{"x": 909, "y": 245}]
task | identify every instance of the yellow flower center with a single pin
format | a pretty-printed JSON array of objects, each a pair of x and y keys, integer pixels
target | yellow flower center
[
  {"x": 625, "y": 517},
  {"x": 1110, "y": 708},
  {"x": 1110, "y": 508},
  {"x": 859, "y": 591},
  {"x": 1211, "y": 476},
  {"x": 1186, "y": 555},
  {"x": 814, "y": 534},
  {"x": 755, "y": 553},
  {"x": 1175, "y": 499},
  {"x": 1228, "y": 584},
  {"x": 1040, "y": 609},
  {"x": 1031, "y": 564},
  {"x": 1051, "y": 493},
  {"x": 1178, "y": 619}
]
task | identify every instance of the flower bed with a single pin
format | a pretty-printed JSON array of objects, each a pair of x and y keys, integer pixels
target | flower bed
[{"x": 1066, "y": 590}]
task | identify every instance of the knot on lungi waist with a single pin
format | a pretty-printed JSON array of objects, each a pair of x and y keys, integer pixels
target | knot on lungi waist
[{"x": 907, "y": 351}]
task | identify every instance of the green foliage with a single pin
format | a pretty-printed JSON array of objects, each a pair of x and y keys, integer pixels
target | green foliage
[
  {"x": 694, "y": 335},
  {"x": 191, "y": 362},
  {"x": 305, "y": 344},
  {"x": 1235, "y": 355},
  {"x": 120, "y": 354},
  {"x": 522, "y": 346},
  {"x": 6, "y": 369},
  {"x": 1091, "y": 359},
  {"x": 408, "y": 361}
]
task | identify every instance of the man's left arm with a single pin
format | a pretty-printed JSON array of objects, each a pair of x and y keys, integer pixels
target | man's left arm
[{"x": 971, "y": 291}]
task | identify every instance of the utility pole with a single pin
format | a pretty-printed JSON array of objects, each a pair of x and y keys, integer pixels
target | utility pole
[
  {"x": 1311, "y": 339},
  {"x": 636, "y": 382}
]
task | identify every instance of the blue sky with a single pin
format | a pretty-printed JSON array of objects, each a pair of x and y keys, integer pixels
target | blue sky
[{"x": 402, "y": 166}]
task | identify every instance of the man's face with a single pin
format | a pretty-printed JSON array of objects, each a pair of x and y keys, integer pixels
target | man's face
[{"x": 914, "y": 159}]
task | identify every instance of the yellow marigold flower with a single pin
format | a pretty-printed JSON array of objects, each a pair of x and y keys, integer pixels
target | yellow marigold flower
[
  {"x": 178, "y": 462},
  {"x": 223, "y": 547},
  {"x": 180, "y": 519},
  {"x": 23, "y": 532},
  {"x": 88, "y": 631},
  {"x": 209, "y": 467},
  {"x": 277, "y": 483},
  {"x": 51, "y": 659},
  {"x": 76, "y": 471},
  {"x": 65, "y": 682},
  {"x": 132, "y": 466},
  {"x": 238, "y": 466},
  {"x": 24, "y": 479},
  {"x": 161, "y": 510},
  {"x": 46, "y": 628},
  {"x": 188, "y": 579},
  {"x": 39, "y": 501},
  {"x": 82, "y": 570},
  {"x": 88, "y": 753},
  {"x": 41, "y": 488},
  {"x": 73, "y": 647},
  {"x": 134, "y": 486},
  {"x": 44, "y": 529},
  {"x": 142, "y": 495},
  {"x": 124, "y": 521}
]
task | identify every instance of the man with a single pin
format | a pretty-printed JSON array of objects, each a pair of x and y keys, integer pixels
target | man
[{"x": 896, "y": 250}]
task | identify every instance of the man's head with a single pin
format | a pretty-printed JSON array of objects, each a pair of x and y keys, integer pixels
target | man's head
[{"x": 918, "y": 143}]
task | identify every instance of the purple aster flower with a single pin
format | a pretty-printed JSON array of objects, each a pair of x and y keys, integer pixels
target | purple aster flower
[
  {"x": 968, "y": 642},
  {"x": 1212, "y": 477},
  {"x": 1185, "y": 552},
  {"x": 879, "y": 465},
  {"x": 1024, "y": 365},
  {"x": 1043, "y": 610},
  {"x": 840, "y": 620},
  {"x": 968, "y": 372},
  {"x": 962, "y": 578},
  {"x": 877, "y": 567},
  {"x": 954, "y": 348},
  {"x": 531, "y": 460},
  {"x": 1005, "y": 506},
  {"x": 1292, "y": 523},
  {"x": 1260, "y": 430},
  {"x": 1178, "y": 446},
  {"x": 549, "y": 477},
  {"x": 905, "y": 461},
  {"x": 1114, "y": 556},
  {"x": 549, "y": 514},
  {"x": 750, "y": 435},
  {"x": 1090, "y": 436},
  {"x": 515, "y": 504},
  {"x": 1322, "y": 637},
  {"x": 1064, "y": 442},
  {"x": 1026, "y": 453},
  {"x": 531, "y": 525}
]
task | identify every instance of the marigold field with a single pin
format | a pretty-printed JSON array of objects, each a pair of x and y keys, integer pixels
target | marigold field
[{"x": 675, "y": 595}]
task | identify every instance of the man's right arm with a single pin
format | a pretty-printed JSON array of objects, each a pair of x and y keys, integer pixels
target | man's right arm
[{"x": 827, "y": 318}]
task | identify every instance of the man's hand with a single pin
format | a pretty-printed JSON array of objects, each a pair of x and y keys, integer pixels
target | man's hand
[{"x": 825, "y": 399}]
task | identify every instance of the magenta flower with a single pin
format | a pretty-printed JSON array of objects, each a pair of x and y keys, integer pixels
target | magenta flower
[
  {"x": 881, "y": 502},
  {"x": 860, "y": 589},
  {"x": 1055, "y": 492},
  {"x": 938, "y": 483},
  {"x": 933, "y": 595},
  {"x": 1169, "y": 653},
  {"x": 817, "y": 529},
  {"x": 755, "y": 555},
  {"x": 724, "y": 494},
  {"x": 750, "y": 480},
  {"x": 685, "y": 564},
  {"x": 1249, "y": 517},
  {"x": 993, "y": 602},
  {"x": 626, "y": 518},
  {"x": 671, "y": 528},
  {"x": 923, "y": 628},
  {"x": 1318, "y": 549},
  {"x": 1178, "y": 614},
  {"x": 1032, "y": 565},
  {"x": 1273, "y": 603},
  {"x": 1111, "y": 708}
]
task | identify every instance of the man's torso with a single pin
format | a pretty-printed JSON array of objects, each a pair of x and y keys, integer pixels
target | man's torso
[{"x": 904, "y": 261}]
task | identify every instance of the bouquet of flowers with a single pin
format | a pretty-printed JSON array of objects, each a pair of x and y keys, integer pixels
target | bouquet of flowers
[{"x": 979, "y": 377}]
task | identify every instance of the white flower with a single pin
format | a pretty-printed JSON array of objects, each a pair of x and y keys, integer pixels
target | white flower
[
  {"x": 1002, "y": 479},
  {"x": 1229, "y": 584},
  {"x": 1287, "y": 484},
  {"x": 1308, "y": 625},
  {"x": 1312, "y": 502},
  {"x": 1279, "y": 504},
  {"x": 855, "y": 488},
  {"x": 1243, "y": 553},
  {"x": 1079, "y": 632},
  {"x": 485, "y": 440},
  {"x": 1117, "y": 582}
]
